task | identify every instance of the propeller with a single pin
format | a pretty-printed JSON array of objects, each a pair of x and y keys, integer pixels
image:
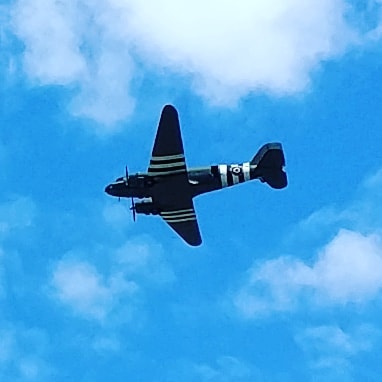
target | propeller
[
  {"x": 132, "y": 208},
  {"x": 127, "y": 175}
]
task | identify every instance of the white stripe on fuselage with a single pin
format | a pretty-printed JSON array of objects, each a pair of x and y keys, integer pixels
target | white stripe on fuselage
[
  {"x": 247, "y": 171},
  {"x": 223, "y": 174},
  {"x": 235, "y": 177}
]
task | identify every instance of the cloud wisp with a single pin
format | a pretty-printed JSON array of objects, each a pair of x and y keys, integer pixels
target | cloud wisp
[
  {"x": 94, "y": 47},
  {"x": 74, "y": 45},
  {"x": 23, "y": 354},
  {"x": 17, "y": 217},
  {"x": 18, "y": 213},
  {"x": 224, "y": 369},
  {"x": 79, "y": 285},
  {"x": 330, "y": 350},
  {"x": 251, "y": 46},
  {"x": 347, "y": 270},
  {"x": 107, "y": 296}
]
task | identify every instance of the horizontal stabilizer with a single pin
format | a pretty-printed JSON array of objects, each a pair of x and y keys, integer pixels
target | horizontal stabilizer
[{"x": 270, "y": 162}]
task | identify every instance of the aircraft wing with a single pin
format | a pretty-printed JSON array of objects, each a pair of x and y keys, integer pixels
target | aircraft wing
[
  {"x": 172, "y": 193},
  {"x": 182, "y": 219},
  {"x": 167, "y": 157}
]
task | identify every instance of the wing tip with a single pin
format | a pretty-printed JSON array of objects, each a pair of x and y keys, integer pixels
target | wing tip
[
  {"x": 195, "y": 243},
  {"x": 169, "y": 108}
]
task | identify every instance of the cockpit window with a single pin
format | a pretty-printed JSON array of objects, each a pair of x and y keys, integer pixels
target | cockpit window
[{"x": 120, "y": 179}]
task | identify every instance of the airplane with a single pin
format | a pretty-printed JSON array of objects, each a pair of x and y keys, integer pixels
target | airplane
[{"x": 168, "y": 187}]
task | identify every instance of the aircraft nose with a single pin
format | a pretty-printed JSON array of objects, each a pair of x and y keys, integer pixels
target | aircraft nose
[{"x": 108, "y": 189}]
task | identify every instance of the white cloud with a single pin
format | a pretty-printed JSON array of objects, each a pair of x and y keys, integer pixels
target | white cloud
[
  {"x": 110, "y": 296},
  {"x": 22, "y": 354},
  {"x": 80, "y": 286},
  {"x": 224, "y": 369},
  {"x": 74, "y": 44},
  {"x": 16, "y": 213},
  {"x": 4, "y": 33},
  {"x": 228, "y": 49},
  {"x": 104, "y": 91},
  {"x": 347, "y": 270},
  {"x": 52, "y": 43},
  {"x": 333, "y": 339},
  {"x": 374, "y": 182},
  {"x": 227, "y": 368},
  {"x": 363, "y": 214},
  {"x": 330, "y": 349},
  {"x": 239, "y": 48},
  {"x": 143, "y": 258}
]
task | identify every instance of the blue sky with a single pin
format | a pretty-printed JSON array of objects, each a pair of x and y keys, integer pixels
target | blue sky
[{"x": 287, "y": 284}]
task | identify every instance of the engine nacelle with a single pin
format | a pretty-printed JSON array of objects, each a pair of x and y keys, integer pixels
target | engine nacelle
[{"x": 147, "y": 207}]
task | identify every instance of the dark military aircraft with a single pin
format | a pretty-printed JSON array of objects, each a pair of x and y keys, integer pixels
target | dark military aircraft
[{"x": 168, "y": 187}]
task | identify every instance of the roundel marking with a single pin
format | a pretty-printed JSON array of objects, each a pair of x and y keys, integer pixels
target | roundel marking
[{"x": 236, "y": 170}]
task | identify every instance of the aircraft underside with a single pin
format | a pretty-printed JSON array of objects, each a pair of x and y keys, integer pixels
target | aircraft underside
[{"x": 168, "y": 187}]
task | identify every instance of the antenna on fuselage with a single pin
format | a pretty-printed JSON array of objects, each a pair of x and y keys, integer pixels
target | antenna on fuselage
[{"x": 127, "y": 175}]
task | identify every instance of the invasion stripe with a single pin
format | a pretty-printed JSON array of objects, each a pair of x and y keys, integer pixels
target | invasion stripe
[
  {"x": 179, "y": 220},
  {"x": 167, "y": 157},
  {"x": 156, "y": 162},
  {"x": 167, "y": 165},
  {"x": 247, "y": 171},
  {"x": 181, "y": 216},
  {"x": 223, "y": 174},
  {"x": 191, "y": 212},
  {"x": 235, "y": 177},
  {"x": 229, "y": 178},
  {"x": 176, "y": 211},
  {"x": 178, "y": 214}
]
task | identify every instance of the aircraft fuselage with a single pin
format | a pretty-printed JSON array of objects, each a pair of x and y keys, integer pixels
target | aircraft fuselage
[{"x": 201, "y": 180}]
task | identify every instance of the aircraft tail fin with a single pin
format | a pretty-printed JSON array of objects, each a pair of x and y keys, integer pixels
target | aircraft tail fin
[{"x": 270, "y": 161}]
